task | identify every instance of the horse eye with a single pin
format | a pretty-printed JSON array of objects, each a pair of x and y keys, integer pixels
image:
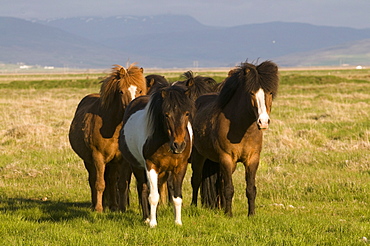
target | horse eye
[
  {"x": 121, "y": 92},
  {"x": 167, "y": 115},
  {"x": 187, "y": 114}
]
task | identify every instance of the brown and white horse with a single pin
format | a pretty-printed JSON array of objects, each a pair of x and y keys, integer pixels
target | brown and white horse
[{"x": 156, "y": 139}]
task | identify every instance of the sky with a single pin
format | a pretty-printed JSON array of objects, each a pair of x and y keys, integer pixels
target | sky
[{"x": 346, "y": 13}]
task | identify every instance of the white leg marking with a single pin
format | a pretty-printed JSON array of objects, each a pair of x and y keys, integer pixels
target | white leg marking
[
  {"x": 132, "y": 90},
  {"x": 263, "y": 117},
  {"x": 177, "y": 202},
  {"x": 153, "y": 196}
]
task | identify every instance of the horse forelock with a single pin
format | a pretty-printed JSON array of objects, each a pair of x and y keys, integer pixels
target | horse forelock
[
  {"x": 121, "y": 79},
  {"x": 250, "y": 78},
  {"x": 269, "y": 77}
]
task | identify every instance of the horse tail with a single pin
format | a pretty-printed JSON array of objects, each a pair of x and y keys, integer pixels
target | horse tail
[{"x": 211, "y": 186}]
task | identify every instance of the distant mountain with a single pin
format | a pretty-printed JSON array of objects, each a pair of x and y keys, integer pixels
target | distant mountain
[
  {"x": 170, "y": 41},
  {"x": 37, "y": 44},
  {"x": 100, "y": 29},
  {"x": 352, "y": 53}
]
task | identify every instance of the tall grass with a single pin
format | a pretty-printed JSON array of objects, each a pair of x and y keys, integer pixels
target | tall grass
[{"x": 313, "y": 181}]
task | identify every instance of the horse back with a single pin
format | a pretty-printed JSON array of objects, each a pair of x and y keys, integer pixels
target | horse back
[
  {"x": 135, "y": 105},
  {"x": 205, "y": 100}
]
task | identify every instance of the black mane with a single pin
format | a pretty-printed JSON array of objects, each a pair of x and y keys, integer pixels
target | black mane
[
  {"x": 198, "y": 85},
  {"x": 154, "y": 82},
  {"x": 250, "y": 78}
]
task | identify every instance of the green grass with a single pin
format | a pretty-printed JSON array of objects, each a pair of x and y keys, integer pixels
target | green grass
[{"x": 313, "y": 181}]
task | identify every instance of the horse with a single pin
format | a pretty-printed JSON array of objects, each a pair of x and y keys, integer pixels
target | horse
[
  {"x": 197, "y": 85},
  {"x": 95, "y": 129},
  {"x": 228, "y": 128},
  {"x": 157, "y": 139},
  {"x": 154, "y": 82}
]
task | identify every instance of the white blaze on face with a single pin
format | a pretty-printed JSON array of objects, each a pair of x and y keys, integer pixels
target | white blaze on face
[
  {"x": 132, "y": 90},
  {"x": 263, "y": 117}
]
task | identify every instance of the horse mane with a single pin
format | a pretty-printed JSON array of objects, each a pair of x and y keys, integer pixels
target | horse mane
[
  {"x": 154, "y": 82},
  {"x": 250, "y": 78},
  {"x": 165, "y": 99},
  {"x": 198, "y": 85},
  {"x": 120, "y": 79}
]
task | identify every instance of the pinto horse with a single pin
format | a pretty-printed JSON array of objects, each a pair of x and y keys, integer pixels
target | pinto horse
[
  {"x": 228, "y": 128},
  {"x": 95, "y": 128},
  {"x": 157, "y": 139}
]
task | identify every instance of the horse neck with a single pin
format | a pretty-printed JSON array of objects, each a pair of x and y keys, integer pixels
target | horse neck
[
  {"x": 239, "y": 108},
  {"x": 113, "y": 113}
]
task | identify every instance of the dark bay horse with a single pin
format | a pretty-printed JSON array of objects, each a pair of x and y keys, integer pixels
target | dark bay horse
[
  {"x": 154, "y": 82},
  {"x": 157, "y": 139},
  {"x": 228, "y": 128},
  {"x": 95, "y": 128},
  {"x": 197, "y": 85}
]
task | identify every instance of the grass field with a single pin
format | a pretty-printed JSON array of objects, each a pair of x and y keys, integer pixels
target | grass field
[{"x": 313, "y": 182}]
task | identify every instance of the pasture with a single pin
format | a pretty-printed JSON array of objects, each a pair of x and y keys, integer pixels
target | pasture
[{"x": 313, "y": 182}]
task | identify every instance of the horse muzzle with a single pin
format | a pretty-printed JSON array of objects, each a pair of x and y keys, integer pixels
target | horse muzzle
[
  {"x": 178, "y": 148},
  {"x": 263, "y": 123}
]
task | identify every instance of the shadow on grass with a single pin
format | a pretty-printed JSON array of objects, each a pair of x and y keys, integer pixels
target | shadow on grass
[{"x": 56, "y": 211}]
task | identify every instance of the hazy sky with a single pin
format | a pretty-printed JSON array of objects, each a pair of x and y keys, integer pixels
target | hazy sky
[{"x": 350, "y": 13}]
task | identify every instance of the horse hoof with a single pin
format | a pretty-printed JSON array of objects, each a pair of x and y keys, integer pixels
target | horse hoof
[{"x": 178, "y": 223}]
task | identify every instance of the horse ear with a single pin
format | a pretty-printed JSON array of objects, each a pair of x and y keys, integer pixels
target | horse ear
[
  {"x": 187, "y": 92},
  {"x": 164, "y": 93},
  {"x": 247, "y": 70},
  {"x": 142, "y": 70},
  {"x": 151, "y": 82},
  {"x": 190, "y": 82}
]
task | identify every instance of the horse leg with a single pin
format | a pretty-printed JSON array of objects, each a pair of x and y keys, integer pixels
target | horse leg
[
  {"x": 92, "y": 180},
  {"x": 142, "y": 191},
  {"x": 178, "y": 177},
  {"x": 99, "y": 182},
  {"x": 227, "y": 169},
  {"x": 111, "y": 189},
  {"x": 124, "y": 180},
  {"x": 153, "y": 196},
  {"x": 197, "y": 162},
  {"x": 251, "y": 190},
  {"x": 210, "y": 189},
  {"x": 163, "y": 188}
]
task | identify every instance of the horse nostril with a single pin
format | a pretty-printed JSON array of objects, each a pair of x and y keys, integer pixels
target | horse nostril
[
  {"x": 178, "y": 148},
  {"x": 175, "y": 145}
]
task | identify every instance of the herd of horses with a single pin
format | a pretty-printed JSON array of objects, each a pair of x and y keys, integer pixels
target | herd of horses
[{"x": 150, "y": 129}]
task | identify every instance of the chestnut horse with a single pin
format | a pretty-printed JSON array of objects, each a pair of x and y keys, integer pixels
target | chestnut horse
[
  {"x": 228, "y": 128},
  {"x": 95, "y": 128},
  {"x": 155, "y": 140}
]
